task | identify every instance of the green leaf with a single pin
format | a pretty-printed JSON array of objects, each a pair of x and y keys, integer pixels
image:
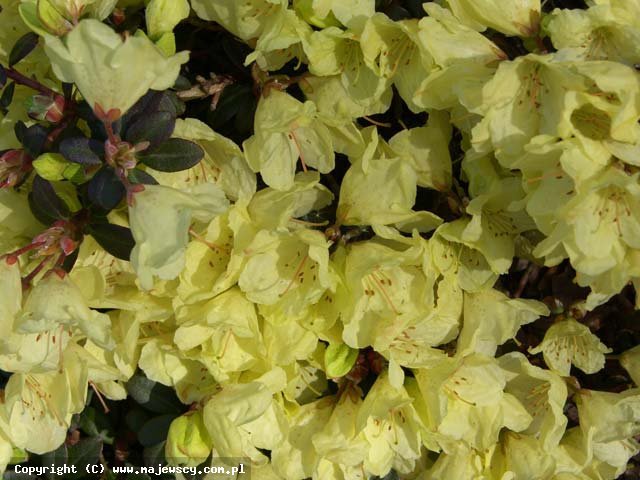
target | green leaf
[
  {"x": 155, "y": 430},
  {"x": 155, "y": 128},
  {"x": 82, "y": 150},
  {"x": 140, "y": 176},
  {"x": 153, "y": 396},
  {"x": 154, "y": 454},
  {"x": 95, "y": 423},
  {"x": 58, "y": 457},
  {"x": 135, "y": 418},
  {"x": 174, "y": 155},
  {"x": 116, "y": 240},
  {"x": 7, "y": 97},
  {"x": 50, "y": 166},
  {"x": 106, "y": 189},
  {"x": 34, "y": 140},
  {"x": 86, "y": 452},
  {"x": 74, "y": 173},
  {"x": 3, "y": 77},
  {"x": 45, "y": 204},
  {"x": 23, "y": 47}
]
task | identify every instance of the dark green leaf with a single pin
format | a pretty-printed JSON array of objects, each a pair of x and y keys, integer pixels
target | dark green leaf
[
  {"x": 34, "y": 139},
  {"x": 45, "y": 204},
  {"x": 70, "y": 261},
  {"x": 23, "y": 47},
  {"x": 135, "y": 418},
  {"x": 86, "y": 452},
  {"x": 12, "y": 475},
  {"x": 182, "y": 83},
  {"x": 58, "y": 458},
  {"x": 228, "y": 105},
  {"x": 138, "y": 476},
  {"x": 392, "y": 475},
  {"x": 155, "y": 430},
  {"x": 174, "y": 155},
  {"x": 82, "y": 150},
  {"x": 153, "y": 396},
  {"x": 396, "y": 13},
  {"x": 67, "y": 90},
  {"x": 95, "y": 423},
  {"x": 3, "y": 77},
  {"x": 140, "y": 176},
  {"x": 152, "y": 102},
  {"x": 116, "y": 240},
  {"x": 415, "y": 7},
  {"x": 106, "y": 189},
  {"x": 154, "y": 454},
  {"x": 20, "y": 129},
  {"x": 155, "y": 128},
  {"x": 7, "y": 97},
  {"x": 87, "y": 422}
]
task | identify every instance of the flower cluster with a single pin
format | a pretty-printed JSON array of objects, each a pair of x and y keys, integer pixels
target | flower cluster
[{"x": 311, "y": 310}]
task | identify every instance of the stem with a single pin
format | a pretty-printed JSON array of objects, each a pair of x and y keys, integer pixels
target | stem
[
  {"x": 51, "y": 138},
  {"x": 540, "y": 44},
  {"x": 26, "y": 249},
  {"x": 19, "y": 78},
  {"x": 109, "y": 128},
  {"x": 26, "y": 281}
]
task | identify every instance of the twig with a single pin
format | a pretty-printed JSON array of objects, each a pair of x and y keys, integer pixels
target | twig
[{"x": 21, "y": 79}]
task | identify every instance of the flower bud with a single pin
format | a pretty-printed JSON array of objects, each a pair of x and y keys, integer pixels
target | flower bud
[
  {"x": 15, "y": 165},
  {"x": 43, "y": 107},
  {"x": 188, "y": 442},
  {"x": 339, "y": 359},
  {"x": 305, "y": 9}
]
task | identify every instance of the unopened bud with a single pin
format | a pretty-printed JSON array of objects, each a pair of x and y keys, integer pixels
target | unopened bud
[
  {"x": 15, "y": 165},
  {"x": 118, "y": 16},
  {"x": 43, "y": 107},
  {"x": 339, "y": 359},
  {"x": 188, "y": 442}
]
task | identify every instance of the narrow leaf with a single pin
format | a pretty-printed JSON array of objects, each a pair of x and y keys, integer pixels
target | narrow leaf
[
  {"x": 20, "y": 129},
  {"x": 174, "y": 155},
  {"x": 7, "y": 97},
  {"x": 3, "y": 77},
  {"x": 23, "y": 47},
  {"x": 116, "y": 240}
]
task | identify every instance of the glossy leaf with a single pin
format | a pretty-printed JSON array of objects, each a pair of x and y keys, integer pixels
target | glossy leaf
[
  {"x": 115, "y": 239},
  {"x": 7, "y": 97},
  {"x": 155, "y": 430},
  {"x": 155, "y": 128},
  {"x": 153, "y": 396},
  {"x": 174, "y": 155},
  {"x": 23, "y": 47},
  {"x": 82, "y": 150},
  {"x": 106, "y": 189},
  {"x": 34, "y": 140},
  {"x": 84, "y": 453},
  {"x": 45, "y": 204},
  {"x": 140, "y": 176}
]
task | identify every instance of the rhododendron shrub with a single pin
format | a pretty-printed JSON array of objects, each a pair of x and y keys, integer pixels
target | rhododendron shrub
[{"x": 349, "y": 239}]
